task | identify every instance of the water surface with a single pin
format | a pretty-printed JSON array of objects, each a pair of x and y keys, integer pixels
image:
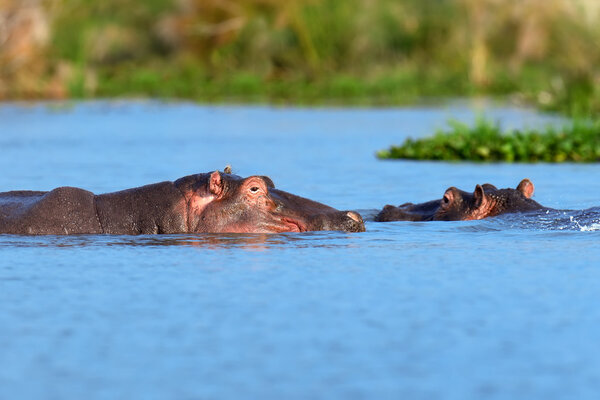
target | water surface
[{"x": 505, "y": 308}]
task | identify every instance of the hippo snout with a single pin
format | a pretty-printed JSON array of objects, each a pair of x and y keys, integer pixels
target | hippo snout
[
  {"x": 355, "y": 222},
  {"x": 348, "y": 221}
]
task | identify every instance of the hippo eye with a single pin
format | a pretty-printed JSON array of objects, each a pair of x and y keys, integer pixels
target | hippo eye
[{"x": 254, "y": 189}]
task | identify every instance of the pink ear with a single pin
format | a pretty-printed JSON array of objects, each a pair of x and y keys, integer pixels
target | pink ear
[
  {"x": 526, "y": 187},
  {"x": 479, "y": 196},
  {"x": 215, "y": 184}
]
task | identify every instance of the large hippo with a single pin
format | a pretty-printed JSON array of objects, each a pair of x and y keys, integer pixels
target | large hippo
[
  {"x": 209, "y": 202},
  {"x": 457, "y": 205}
]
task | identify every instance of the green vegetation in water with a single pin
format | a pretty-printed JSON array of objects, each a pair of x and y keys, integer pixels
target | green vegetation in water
[{"x": 578, "y": 142}]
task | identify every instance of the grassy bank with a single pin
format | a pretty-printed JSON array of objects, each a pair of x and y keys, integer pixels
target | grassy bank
[
  {"x": 486, "y": 142},
  {"x": 304, "y": 51},
  {"x": 395, "y": 87}
]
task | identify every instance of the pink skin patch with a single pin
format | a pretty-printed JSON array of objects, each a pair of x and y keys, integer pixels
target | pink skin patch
[
  {"x": 486, "y": 209},
  {"x": 285, "y": 224},
  {"x": 255, "y": 193},
  {"x": 293, "y": 225},
  {"x": 197, "y": 204}
]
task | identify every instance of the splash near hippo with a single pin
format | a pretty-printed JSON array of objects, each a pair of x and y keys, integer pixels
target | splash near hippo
[
  {"x": 216, "y": 202},
  {"x": 458, "y": 205}
]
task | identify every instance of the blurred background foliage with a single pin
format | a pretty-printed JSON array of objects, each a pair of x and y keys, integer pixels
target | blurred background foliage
[{"x": 545, "y": 52}]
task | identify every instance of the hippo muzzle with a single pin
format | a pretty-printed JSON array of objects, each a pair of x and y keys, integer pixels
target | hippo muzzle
[
  {"x": 309, "y": 215},
  {"x": 348, "y": 221}
]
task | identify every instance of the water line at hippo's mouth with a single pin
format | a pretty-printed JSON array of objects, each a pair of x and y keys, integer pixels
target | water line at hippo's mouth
[{"x": 294, "y": 224}]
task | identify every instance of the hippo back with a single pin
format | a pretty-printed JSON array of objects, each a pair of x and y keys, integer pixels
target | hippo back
[
  {"x": 150, "y": 209},
  {"x": 64, "y": 210}
]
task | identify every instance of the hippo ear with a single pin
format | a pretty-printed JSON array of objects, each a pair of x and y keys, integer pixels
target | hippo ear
[
  {"x": 526, "y": 187},
  {"x": 215, "y": 183},
  {"x": 478, "y": 196},
  {"x": 489, "y": 187}
]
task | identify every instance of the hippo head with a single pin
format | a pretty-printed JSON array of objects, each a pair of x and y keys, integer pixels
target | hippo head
[
  {"x": 457, "y": 205},
  {"x": 485, "y": 201},
  {"x": 223, "y": 202}
]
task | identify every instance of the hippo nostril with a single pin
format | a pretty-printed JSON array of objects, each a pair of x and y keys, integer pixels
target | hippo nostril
[{"x": 355, "y": 216}]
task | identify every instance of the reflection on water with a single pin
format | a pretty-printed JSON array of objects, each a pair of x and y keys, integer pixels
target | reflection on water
[
  {"x": 248, "y": 241},
  {"x": 377, "y": 232}
]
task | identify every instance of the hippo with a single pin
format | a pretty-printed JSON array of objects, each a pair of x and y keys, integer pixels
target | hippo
[
  {"x": 216, "y": 202},
  {"x": 457, "y": 205}
]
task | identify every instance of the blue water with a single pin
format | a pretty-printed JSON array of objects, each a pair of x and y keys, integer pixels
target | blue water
[{"x": 505, "y": 308}]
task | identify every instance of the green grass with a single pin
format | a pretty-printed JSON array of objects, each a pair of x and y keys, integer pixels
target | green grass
[
  {"x": 343, "y": 52},
  {"x": 486, "y": 142},
  {"x": 190, "y": 81}
]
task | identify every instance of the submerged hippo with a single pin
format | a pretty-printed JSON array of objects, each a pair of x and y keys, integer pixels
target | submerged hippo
[
  {"x": 457, "y": 205},
  {"x": 210, "y": 202}
]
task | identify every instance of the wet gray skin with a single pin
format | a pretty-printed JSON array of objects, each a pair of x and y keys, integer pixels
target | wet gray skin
[{"x": 210, "y": 202}]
